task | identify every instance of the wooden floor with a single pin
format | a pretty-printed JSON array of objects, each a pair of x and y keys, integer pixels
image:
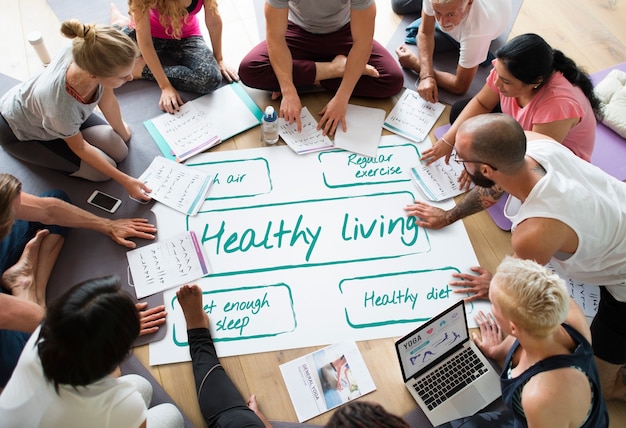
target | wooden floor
[{"x": 591, "y": 32}]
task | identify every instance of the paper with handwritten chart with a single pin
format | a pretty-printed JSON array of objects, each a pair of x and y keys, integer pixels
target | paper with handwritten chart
[
  {"x": 587, "y": 296},
  {"x": 310, "y": 250},
  {"x": 309, "y": 139},
  {"x": 413, "y": 117},
  {"x": 189, "y": 131},
  {"x": 165, "y": 264},
  {"x": 438, "y": 181},
  {"x": 224, "y": 113},
  {"x": 177, "y": 185}
]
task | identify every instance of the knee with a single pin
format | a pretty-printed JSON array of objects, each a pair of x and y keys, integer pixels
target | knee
[
  {"x": 165, "y": 415},
  {"x": 209, "y": 82},
  {"x": 141, "y": 385},
  {"x": 109, "y": 142}
]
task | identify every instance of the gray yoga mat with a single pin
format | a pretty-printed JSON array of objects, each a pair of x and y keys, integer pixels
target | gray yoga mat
[
  {"x": 447, "y": 61},
  {"x": 92, "y": 11},
  {"x": 133, "y": 366}
]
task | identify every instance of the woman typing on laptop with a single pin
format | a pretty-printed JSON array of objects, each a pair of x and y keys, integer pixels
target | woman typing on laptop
[{"x": 549, "y": 377}]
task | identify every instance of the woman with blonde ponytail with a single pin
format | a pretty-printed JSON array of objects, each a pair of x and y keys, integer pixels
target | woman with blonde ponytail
[{"x": 48, "y": 120}]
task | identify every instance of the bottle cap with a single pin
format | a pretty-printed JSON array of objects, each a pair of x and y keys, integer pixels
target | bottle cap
[
  {"x": 34, "y": 37},
  {"x": 270, "y": 114}
]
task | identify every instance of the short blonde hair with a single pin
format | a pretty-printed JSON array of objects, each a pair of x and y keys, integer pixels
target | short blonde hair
[
  {"x": 10, "y": 188},
  {"x": 531, "y": 296},
  {"x": 98, "y": 49}
]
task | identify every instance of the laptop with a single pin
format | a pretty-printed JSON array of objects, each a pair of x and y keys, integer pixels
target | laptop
[{"x": 444, "y": 370}]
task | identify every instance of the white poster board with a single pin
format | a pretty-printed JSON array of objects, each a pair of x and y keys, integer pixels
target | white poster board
[{"x": 313, "y": 249}]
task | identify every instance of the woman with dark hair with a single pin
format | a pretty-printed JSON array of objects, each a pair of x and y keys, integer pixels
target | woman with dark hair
[
  {"x": 64, "y": 377},
  {"x": 541, "y": 88},
  {"x": 364, "y": 414}
]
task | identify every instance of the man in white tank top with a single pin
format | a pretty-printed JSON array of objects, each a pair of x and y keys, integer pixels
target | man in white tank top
[{"x": 564, "y": 211}]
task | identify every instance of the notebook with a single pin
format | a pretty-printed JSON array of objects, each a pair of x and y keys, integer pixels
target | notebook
[{"x": 444, "y": 371}]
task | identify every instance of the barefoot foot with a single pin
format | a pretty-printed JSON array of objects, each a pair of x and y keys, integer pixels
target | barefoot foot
[
  {"x": 190, "y": 300},
  {"x": 408, "y": 59},
  {"x": 20, "y": 278},
  {"x": 254, "y": 406}
]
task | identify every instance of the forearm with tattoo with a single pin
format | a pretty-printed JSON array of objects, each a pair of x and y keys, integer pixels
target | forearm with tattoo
[{"x": 476, "y": 200}]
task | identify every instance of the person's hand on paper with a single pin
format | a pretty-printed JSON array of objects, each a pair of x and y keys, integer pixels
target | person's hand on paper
[
  {"x": 427, "y": 88},
  {"x": 150, "y": 318},
  {"x": 137, "y": 189},
  {"x": 439, "y": 149},
  {"x": 229, "y": 73},
  {"x": 122, "y": 229},
  {"x": 333, "y": 114},
  {"x": 170, "y": 101},
  {"x": 477, "y": 285},
  {"x": 427, "y": 216},
  {"x": 465, "y": 181},
  {"x": 290, "y": 108}
]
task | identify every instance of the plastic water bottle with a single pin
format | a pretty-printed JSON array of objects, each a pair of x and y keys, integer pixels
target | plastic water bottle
[{"x": 269, "y": 126}]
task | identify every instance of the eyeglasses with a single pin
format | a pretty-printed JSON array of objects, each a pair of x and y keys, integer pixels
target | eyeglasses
[{"x": 462, "y": 161}]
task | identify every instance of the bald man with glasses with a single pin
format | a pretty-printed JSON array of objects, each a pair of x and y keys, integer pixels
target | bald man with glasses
[{"x": 563, "y": 210}]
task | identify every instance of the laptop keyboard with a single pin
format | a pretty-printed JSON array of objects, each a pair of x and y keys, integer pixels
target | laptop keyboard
[{"x": 450, "y": 378}]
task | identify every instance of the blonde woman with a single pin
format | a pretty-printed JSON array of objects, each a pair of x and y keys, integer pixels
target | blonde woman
[
  {"x": 49, "y": 121},
  {"x": 174, "y": 53},
  {"x": 549, "y": 377}
]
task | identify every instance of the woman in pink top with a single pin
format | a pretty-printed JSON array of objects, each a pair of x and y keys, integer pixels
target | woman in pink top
[
  {"x": 540, "y": 87},
  {"x": 174, "y": 53}
]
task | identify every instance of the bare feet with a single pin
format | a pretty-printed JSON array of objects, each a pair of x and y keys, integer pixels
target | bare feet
[
  {"x": 20, "y": 278},
  {"x": 190, "y": 300},
  {"x": 253, "y": 405},
  {"x": 408, "y": 59},
  {"x": 337, "y": 67},
  {"x": 117, "y": 18}
]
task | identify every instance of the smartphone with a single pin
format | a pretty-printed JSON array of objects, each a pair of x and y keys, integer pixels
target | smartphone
[{"x": 104, "y": 202}]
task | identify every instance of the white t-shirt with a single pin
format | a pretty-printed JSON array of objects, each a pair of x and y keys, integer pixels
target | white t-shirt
[
  {"x": 588, "y": 200},
  {"x": 486, "y": 21},
  {"x": 30, "y": 401},
  {"x": 41, "y": 109},
  {"x": 320, "y": 16}
]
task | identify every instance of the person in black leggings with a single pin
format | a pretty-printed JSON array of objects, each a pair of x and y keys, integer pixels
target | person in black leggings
[{"x": 220, "y": 402}]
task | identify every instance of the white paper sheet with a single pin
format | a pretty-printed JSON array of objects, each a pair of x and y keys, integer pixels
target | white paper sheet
[{"x": 365, "y": 125}]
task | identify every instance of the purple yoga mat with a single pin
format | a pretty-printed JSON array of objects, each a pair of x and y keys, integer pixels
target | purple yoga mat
[{"x": 609, "y": 152}]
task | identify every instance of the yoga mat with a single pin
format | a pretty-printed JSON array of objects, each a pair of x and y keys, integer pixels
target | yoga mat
[
  {"x": 88, "y": 254},
  {"x": 92, "y": 11},
  {"x": 133, "y": 366},
  {"x": 609, "y": 151},
  {"x": 447, "y": 61}
]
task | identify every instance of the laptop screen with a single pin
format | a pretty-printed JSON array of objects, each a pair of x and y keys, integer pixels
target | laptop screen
[{"x": 433, "y": 340}]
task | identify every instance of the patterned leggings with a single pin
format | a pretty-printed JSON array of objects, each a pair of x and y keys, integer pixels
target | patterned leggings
[{"x": 188, "y": 63}]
